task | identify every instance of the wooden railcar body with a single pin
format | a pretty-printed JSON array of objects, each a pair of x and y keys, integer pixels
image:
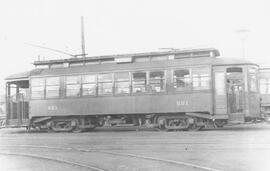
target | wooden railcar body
[{"x": 211, "y": 89}]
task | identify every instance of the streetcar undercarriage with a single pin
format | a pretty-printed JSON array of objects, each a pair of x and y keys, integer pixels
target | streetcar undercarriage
[{"x": 163, "y": 122}]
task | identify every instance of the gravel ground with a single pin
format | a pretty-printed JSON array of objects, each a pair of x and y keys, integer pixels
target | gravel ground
[{"x": 239, "y": 147}]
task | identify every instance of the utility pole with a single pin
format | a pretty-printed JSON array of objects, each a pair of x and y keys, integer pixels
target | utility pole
[
  {"x": 243, "y": 33},
  {"x": 82, "y": 37}
]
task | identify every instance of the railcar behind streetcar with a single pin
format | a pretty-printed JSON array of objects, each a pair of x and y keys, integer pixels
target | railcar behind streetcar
[
  {"x": 173, "y": 90},
  {"x": 264, "y": 87}
]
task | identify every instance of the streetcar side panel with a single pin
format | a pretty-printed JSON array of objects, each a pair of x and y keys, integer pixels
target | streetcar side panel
[{"x": 144, "y": 104}]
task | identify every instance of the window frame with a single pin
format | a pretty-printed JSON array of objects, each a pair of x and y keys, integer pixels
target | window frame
[
  {"x": 78, "y": 82},
  {"x": 201, "y": 73},
  {"x": 252, "y": 76},
  {"x": 42, "y": 86},
  {"x": 140, "y": 80},
  {"x": 162, "y": 81},
  {"x": 89, "y": 83},
  {"x": 111, "y": 81},
  {"x": 52, "y": 85},
  {"x": 116, "y": 82},
  {"x": 174, "y": 83},
  {"x": 266, "y": 84}
]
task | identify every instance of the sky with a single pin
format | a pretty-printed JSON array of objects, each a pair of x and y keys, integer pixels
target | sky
[{"x": 237, "y": 28}]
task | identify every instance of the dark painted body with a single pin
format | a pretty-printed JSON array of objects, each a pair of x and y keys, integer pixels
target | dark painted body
[{"x": 168, "y": 102}]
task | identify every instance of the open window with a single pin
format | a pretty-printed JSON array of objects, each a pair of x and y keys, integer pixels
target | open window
[
  {"x": 157, "y": 81},
  {"x": 182, "y": 79},
  {"x": 139, "y": 82},
  {"x": 89, "y": 85}
]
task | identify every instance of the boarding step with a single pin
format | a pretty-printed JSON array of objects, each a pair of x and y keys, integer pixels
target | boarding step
[
  {"x": 236, "y": 118},
  {"x": 17, "y": 122}
]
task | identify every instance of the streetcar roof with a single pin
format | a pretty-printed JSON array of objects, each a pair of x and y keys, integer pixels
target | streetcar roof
[
  {"x": 232, "y": 61},
  {"x": 19, "y": 76},
  {"x": 190, "y": 53},
  {"x": 189, "y": 60}
]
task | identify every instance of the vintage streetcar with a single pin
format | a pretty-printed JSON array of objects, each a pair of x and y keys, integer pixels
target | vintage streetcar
[
  {"x": 264, "y": 87},
  {"x": 172, "y": 90}
]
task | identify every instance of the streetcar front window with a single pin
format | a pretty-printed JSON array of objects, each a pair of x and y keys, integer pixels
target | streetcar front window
[{"x": 252, "y": 79}]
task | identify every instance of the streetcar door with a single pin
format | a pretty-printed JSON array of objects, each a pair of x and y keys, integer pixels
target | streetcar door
[
  {"x": 235, "y": 94},
  {"x": 17, "y": 103}
]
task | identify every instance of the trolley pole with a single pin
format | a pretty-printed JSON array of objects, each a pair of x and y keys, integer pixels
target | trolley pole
[{"x": 82, "y": 37}]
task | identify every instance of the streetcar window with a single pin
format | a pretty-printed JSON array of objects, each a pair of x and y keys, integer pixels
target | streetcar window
[
  {"x": 73, "y": 86},
  {"x": 252, "y": 70},
  {"x": 37, "y": 88},
  {"x": 252, "y": 79},
  {"x": 60, "y": 65},
  {"x": 142, "y": 59},
  {"x": 38, "y": 82},
  {"x": 122, "y": 83},
  {"x": 105, "y": 84},
  {"x": 74, "y": 64},
  {"x": 159, "y": 58},
  {"x": 252, "y": 83},
  {"x": 42, "y": 66},
  {"x": 37, "y": 92},
  {"x": 157, "y": 81},
  {"x": 89, "y": 85},
  {"x": 52, "y": 87},
  {"x": 89, "y": 78},
  {"x": 264, "y": 86},
  {"x": 108, "y": 61},
  {"x": 92, "y": 62},
  {"x": 139, "y": 82},
  {"x": 181, "y": 79},
  {"x": 201, "y": 78}
]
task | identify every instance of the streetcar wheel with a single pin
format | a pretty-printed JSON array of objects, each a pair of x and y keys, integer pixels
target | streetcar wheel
[
  {"x": 161, "y": 121},
  {"x": 77, "y": 129},
  {"x": 194, "y": 127}
]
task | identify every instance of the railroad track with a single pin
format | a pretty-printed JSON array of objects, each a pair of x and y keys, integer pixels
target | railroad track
[
  {"x": 172, "y": 162},
  {"x": 92, "y": 168}
]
